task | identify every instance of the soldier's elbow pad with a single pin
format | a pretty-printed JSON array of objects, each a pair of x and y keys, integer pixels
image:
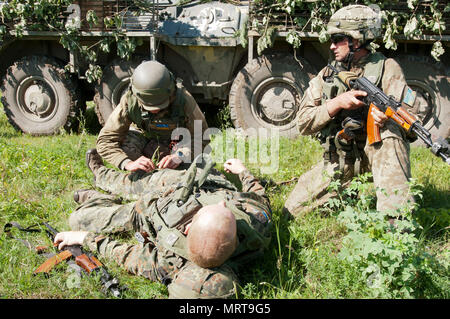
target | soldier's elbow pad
[{"x": 194, "y": 282}]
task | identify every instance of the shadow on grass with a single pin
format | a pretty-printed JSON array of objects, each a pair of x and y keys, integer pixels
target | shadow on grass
[
  {"x": 278, "y": 272},
  {"x": 434, "y": 212},
  {"x": 435, "y": 198},
  {"x": 89, "y": 122},
  {"x": 9, "y": 134}
]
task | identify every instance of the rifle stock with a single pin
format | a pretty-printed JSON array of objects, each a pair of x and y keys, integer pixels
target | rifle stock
[{"x": 85, "y": 260}]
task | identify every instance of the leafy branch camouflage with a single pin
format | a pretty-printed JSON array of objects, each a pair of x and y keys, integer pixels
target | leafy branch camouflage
[
  {"x": 411, "y": 19},
  {"x": 19, "y": 16}
]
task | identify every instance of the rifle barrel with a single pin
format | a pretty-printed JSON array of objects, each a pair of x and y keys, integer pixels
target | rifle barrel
[{"x": 51, "y": 232}]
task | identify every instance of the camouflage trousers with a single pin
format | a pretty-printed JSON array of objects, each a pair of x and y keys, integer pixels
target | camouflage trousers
[
  {"x": 131, "y": 185},
  {"x": 106, "y": 214},
  {"x": 389, "y": 163}
]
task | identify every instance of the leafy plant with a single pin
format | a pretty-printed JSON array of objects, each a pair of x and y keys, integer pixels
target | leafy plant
[{"x": 383, "y": 245}]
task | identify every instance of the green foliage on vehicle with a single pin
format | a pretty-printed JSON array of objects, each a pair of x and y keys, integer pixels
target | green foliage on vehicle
[
  {"x": 414, "y": 18},
  {"x": 49, "y": 15}
]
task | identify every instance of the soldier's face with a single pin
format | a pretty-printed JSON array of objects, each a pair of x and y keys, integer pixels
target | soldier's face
[{"x": 340, "y": 49}]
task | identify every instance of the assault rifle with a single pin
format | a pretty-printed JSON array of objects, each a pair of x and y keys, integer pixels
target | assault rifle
[
  {"x": 85, "y": 260},
  {"x": 376, "y": 98}
]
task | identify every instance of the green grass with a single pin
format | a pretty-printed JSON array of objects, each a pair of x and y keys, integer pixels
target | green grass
[{"x": 38, "y": 176}]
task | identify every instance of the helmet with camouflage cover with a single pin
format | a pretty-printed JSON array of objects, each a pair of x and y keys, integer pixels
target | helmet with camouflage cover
[
  {"x": 357, "y": 21},
  {"x": 153, "y": 85}
]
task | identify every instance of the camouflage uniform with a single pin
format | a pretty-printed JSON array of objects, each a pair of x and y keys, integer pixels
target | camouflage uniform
[
  {"x": 122, "y": 140},
  {"x": 388, "y": 160},
  {"x": 164, "y": 257}
]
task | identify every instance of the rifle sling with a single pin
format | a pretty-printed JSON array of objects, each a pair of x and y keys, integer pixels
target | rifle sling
[{"x": 29, "y": 229}]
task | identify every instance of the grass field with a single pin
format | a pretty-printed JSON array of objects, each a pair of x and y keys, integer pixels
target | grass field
[{"x": 315, "y": 256}]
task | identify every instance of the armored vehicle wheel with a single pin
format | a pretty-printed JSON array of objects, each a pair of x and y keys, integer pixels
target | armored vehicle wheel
[
  {"x": 267, "y": 92},
  {"x": 38, "y": 96},
  {"x": 113, "y": 84},
  {"x": 430, "y": 80}
]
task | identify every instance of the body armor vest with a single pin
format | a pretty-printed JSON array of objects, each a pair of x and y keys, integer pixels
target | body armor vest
[
  {"x": 157, "y": 126},
  {"x": 332, "y": 87},
  {"x": 168, "y": 215}
]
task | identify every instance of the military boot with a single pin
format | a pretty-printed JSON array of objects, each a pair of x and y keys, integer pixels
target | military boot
[
  {"x": 93, "y": 161},
  {"x": 82, "y": 195}
]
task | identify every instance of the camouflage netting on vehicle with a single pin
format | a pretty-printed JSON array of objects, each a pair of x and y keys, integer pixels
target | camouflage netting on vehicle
[
  {"x": 408, "y": 19},
  {"x": 411, "y": 19}
]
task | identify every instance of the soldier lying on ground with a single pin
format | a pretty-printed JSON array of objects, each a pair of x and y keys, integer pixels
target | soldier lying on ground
[
  {"x": 328, "y": 106},
  {"x": 143, "y": 122},
  {"x": 198, "y": 228}
]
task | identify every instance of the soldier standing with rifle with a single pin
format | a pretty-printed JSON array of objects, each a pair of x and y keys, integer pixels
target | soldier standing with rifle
[
  {"x": 143, "y": 122},
  {"x": 328, "y": 107}
]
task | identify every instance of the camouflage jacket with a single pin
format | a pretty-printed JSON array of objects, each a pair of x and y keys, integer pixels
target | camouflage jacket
[
  {"x": 156, "y": 260},
  {"x": 313, "y": 115},
  {"x": 116, "y": 127}
]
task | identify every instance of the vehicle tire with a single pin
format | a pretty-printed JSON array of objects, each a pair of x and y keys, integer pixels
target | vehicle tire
[
  {"x": 430, "y": 80},
  {"x": 38, "y": 96},
  {"x": 267, "y": 92},
  {"x": 113, "y": 84}
]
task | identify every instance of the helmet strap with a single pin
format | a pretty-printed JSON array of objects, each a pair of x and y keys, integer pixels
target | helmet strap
[{"x": 349, "y": 58}]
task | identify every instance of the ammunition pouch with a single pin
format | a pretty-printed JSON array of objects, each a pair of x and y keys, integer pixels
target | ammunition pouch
[
  {"x": 346, "y": 143},
  {"x": 170, "y": 214},
  {"x": 344, "y": 146}
]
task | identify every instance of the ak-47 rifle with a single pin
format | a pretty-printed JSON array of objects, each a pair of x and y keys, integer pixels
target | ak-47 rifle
[
  {"x": 85, "y": 260},
  {"x": 376, "y": 98}
]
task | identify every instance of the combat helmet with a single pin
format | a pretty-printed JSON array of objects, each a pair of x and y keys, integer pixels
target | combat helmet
[
  {"x": 357, "y": 21},
  {"x": 153, "y": 85}
]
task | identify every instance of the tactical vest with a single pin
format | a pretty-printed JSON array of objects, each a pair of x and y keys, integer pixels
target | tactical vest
[
  {"x": 168, "y": 215},
  {"x": 332, "y": 87},
  {"x": 155, "y": 125}
]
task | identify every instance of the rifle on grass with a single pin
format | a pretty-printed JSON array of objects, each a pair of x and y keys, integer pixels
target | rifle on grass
[
  {"x": 87, "y": 261},
  {"x": 376, "y": 98}
]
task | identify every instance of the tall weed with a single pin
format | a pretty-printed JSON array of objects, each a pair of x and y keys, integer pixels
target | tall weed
[{"x": 388, "y": 251}]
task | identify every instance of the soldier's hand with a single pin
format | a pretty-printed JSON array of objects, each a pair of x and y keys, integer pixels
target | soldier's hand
[
  {"x": 234, "y": 166},
  {"x": 348, "y": 101},
  {"x": 170, "y": 161},
  {"x": 142, "y": 163},
  {"x": 379, "y": 117},
  {"x": 69, "y": 238}
]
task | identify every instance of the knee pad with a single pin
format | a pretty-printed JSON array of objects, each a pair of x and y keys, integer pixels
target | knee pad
[{"x": 194, "y": 282}]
